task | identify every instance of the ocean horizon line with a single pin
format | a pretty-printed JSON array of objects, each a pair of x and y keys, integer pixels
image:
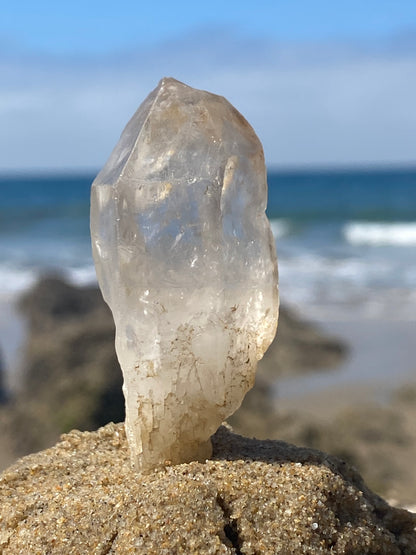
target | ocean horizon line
[{"x": 298, "y": 169}]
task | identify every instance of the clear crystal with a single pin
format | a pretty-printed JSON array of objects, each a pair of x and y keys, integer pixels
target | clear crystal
[{"x": 186, "y": 261}]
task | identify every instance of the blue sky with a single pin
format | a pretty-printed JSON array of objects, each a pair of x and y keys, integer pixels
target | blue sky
[
  {"x": 322, "y": 82},
  {"x": 97, "y": 26}
]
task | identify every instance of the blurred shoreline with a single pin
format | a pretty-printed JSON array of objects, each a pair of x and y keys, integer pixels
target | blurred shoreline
[
  {"x": 381, "y": 357},
  {"x": 13, "y": 334}
]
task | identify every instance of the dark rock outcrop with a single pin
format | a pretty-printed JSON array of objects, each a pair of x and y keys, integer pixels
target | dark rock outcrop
[
  {"x": 71, "y": 377},
  {"x": 3, "y": 391}
]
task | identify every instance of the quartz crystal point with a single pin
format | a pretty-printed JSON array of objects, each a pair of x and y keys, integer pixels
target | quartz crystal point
[{"x": 186, "y": 261}]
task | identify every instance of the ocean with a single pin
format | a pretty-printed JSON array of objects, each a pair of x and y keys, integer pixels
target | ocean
[{"x": 346, "y": 240}]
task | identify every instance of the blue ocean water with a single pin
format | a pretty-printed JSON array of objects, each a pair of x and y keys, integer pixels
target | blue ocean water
[{"x": 346, "y": 240}]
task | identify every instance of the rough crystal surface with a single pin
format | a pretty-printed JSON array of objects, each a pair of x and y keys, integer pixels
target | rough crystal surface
[{"x": 185, "y": 259}]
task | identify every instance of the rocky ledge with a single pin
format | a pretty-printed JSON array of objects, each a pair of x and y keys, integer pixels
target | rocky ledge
[{"x": 81, "y": 496}]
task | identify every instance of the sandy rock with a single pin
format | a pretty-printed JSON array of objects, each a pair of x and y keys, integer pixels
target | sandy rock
[
  {"x": 81, "y": 496},
  {"x": 378, "y": 438}
]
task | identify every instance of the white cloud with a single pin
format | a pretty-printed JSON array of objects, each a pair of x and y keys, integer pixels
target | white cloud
[{"x": 310, "y": 104}]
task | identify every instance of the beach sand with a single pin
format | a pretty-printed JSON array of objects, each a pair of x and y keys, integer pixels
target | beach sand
[{"x": 253, "y": 497}]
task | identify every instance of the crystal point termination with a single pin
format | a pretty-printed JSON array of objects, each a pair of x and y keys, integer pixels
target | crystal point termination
[{"x": 185, "y": 259}]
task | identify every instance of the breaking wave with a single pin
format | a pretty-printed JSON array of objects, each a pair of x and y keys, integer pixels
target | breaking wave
[{"x": 380, "y": 234}]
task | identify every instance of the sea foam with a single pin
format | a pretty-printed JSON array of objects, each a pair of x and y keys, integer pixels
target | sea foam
[
  {"x": 280, "y": 228},
  {"x": 15, "y": 280}
]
